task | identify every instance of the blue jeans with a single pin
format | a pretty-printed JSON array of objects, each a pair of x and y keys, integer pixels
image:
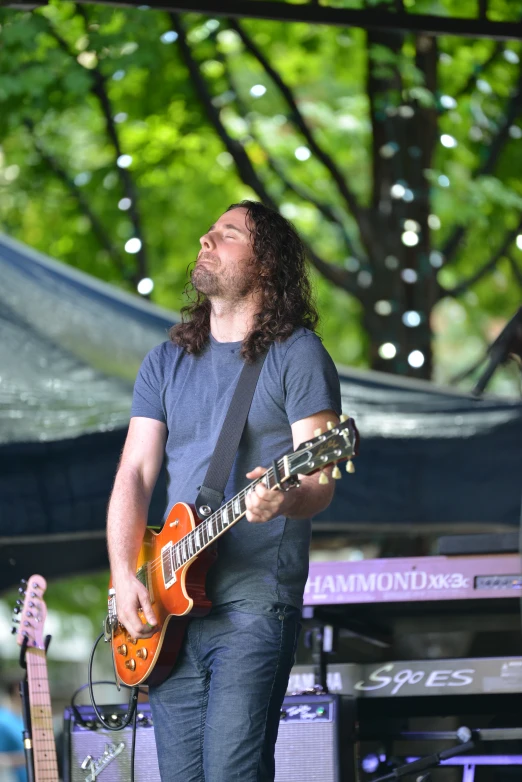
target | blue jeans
[{"x": 217, "y": 715}]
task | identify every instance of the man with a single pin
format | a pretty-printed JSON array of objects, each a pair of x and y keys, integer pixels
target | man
[{"x": 216, "y": 716}]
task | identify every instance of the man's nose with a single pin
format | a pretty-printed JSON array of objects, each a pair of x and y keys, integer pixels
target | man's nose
[{"x": 207, "y": 242}]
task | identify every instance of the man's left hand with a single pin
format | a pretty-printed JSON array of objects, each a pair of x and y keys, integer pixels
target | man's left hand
[{"x": 263, "y": 504}]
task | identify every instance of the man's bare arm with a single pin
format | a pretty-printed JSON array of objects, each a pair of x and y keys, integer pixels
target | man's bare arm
[
  {"x": 138, "y": 471},
  {"x": 310, "y": 498}
]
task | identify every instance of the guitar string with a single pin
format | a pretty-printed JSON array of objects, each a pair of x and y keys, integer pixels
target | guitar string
[
  {"x": 44, "y": 746},
  {"x": 156, "y": 564},
  {"x": 217, "y": 517}
]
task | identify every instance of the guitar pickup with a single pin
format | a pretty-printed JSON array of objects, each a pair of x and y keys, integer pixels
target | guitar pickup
[{"x": 167, "y": 565}]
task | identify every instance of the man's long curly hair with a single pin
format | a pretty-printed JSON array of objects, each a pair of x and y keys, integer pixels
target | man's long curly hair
[{"x": 287, "y": 299}]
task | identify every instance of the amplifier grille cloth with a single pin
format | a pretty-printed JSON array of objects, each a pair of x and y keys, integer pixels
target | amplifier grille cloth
[
  {"x": 305, "y": 752},
  {"x": 94, "y": 743}
]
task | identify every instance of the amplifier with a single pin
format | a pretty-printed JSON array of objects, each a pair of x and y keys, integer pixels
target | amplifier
[
  {"x": 315, "y": 739},
  {"x": 314, "y": 742},
  {"x": 91, "y": 752}
]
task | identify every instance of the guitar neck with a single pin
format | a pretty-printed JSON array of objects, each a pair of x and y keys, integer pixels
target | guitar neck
[
  {"x": 44, "y": 749},
  {"x": 225, "y": 517}
]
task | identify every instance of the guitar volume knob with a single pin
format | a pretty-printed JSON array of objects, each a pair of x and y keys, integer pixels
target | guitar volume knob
[
  {"x": 142, "y": 653},
  {"x": 130, "y": 664}
]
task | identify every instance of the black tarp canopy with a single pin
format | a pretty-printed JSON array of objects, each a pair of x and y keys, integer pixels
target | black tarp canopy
[{"x": 70, "y": 347}]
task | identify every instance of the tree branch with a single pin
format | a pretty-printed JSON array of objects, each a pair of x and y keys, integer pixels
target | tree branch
[
  {"x": 241, "y": 159},
  {"x": 516, "y": 271},
  {"x": 299, "y": 121},
  {"x": 59, "y": 171},
  {"x": 335, "y": 274},
  {"x": 100, "y": 91},
  {"x": 325, "y": 209},
  {"x": 515, "y": 105},
  {"x": 463, "y": 286}
]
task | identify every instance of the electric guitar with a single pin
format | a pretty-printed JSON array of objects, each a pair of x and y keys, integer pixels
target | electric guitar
[
  {"x": 173, "y": 563},
  {"x": 29, "y": 618}
]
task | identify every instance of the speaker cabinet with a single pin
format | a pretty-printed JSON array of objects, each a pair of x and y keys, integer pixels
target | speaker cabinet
[
  {"x": 315, "y": 740},
  {"x": 93, "y": 753}
]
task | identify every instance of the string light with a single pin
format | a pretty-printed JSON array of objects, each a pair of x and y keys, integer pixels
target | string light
[
  {"x": 257, "y": 90},
  {"x": 448, "y": 141},
  {"x": 397, "y": 190},
  {"x": 133, "y": 245},
  {"x": 434, "y": 222},
  {"x": 387, "y": 350},
  {"x": 443, "y": 181},
  {"x": 416, "y": 359},
  {"x": 169, "y": 37},
  {"x": 352, "y": 264},
  {"x": 519, "y": 241},
  {"x": 124, "y": 204},
  {"x": 391, "y": 262},
  {"x": 436, "y": 259},
  {"x": 383, "y": 307},
  {"x": 410, "y": 238},
  {"x": 364, "y": 279},
  {"x": 411, "y": 318},
  {"x": 83, "y": 178},
  {"x": 412, "y": 225},
  {"x": 511, "y": 56},
  {"x": 515, "y": 131},
  {"x": 118, "y": 75},
  {"x": 124, "y": 161},
  {"x": 302, "y": 153},
  {"x": 120, "y": 117},
  {"x": 388, "y": 150},
  {"x": 447, "y": 102},
  {"x": 408, "y": 196},
  {"x": 409, "y": 276},
  {"x": 145, "y": 286},
  {"x": 484, "y": 87}
]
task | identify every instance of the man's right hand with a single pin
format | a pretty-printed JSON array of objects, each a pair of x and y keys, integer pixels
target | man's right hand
[{"x": 134, "y": 608}]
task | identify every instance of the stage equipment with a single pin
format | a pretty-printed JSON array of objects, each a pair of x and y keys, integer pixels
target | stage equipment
[
  {"x": 316, "y": 739},
  {"x": 315, "y": 742},
  {"x": 91, "y": 751}
]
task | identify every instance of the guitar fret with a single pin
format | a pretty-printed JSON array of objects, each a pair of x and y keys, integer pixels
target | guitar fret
[
  {"x": 236, "y": 505},
  {"x": 210, "y": 529},
  {"x": 224, "y": 515},
  {"x": 196, "y": 538}
]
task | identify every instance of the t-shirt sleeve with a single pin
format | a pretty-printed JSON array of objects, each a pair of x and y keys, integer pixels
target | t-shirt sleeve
[
  {"x": 147, "y": 397},
  {"x": 310, "y": 379}
]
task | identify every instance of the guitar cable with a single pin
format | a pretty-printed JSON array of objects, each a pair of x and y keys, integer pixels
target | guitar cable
[{"x": 131, "y": 714}]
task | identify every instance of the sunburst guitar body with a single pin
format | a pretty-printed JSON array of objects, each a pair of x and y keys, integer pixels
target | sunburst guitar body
[{"x": 173, "y": 563}]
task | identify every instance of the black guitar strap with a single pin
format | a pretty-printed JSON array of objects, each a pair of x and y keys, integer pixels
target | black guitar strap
[{"x": 212, "y": 492}]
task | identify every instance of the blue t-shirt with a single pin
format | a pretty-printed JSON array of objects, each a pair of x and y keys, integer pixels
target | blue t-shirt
[{"x": 257, "y": 562}]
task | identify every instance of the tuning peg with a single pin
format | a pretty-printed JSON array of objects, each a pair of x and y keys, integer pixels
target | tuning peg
[
  {"x": 16, "y": 610},
  {"x": 14, "y": 630},
  {"x": 21, "y": 590},
  {"x": 350, "y": 467},
  {"x": 323, "y": 479},
  {"x": 336, "y": 473},
  {"x": 317, "y": 432},
  {"x": 343, "y": 418},
  {"x": 330, "y": 425}
]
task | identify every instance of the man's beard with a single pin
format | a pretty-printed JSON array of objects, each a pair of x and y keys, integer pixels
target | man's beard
[{"x": 205, "y": 280}]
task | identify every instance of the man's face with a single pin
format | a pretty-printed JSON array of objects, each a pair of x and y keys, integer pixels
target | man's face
[{"x": 225, "y": 267}]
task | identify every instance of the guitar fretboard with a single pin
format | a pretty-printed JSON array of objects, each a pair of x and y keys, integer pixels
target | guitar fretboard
[
  {"x": 44, "y": 750},
  {"x": 209, "y": 529}
]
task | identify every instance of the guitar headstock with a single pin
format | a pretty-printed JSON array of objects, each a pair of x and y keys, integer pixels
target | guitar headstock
[
  {"x": 339, "y": 443},
  {"x": 30, "y": 612}
]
